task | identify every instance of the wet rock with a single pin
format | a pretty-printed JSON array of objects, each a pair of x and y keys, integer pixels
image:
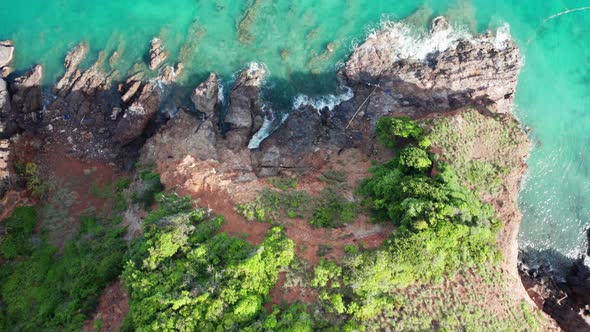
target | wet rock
[
  {"x": 169, "y": 74},
  {"x": 26, "y": 97},
  {"x": 72, "y": 74},
  {"x": 245, "y": 109},
  {"x": 157, "y": 53},
  {"x": 6, "y": 53},
  {"x": 439, "y": 24},
  {"x": 137, "y": 116},
  {"x": 206, "y": 96}
]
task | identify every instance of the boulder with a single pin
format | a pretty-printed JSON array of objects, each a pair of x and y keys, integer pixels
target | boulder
[
  {"x": 244, "y": 115},
  {"x": 72, "y": 74},
  {"x": 8, "y": 125},
  {"x": 206, "y": 96},
  {"x": 27, "y": 99},
  {"x": 137, "y": 116},
  {"x": 157, "y": 53},
  {"x": 183, "y": 135},
  {"x": 6, "y": 53}
]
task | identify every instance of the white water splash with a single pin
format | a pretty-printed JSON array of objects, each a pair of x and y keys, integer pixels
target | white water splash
[
  {"x": 407, "y": 43},
  {"x": 319, "y": 103},
  {"x": 268, "y": 126},
  {"x": 503, "y": 37},
  {"x": 221, "y": 92}
]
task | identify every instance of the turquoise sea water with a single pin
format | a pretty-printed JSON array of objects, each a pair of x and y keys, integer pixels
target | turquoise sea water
[{"x": 291, "y": 39}]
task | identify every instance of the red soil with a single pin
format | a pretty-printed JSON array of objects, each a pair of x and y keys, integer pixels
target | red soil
[{"x": 112, "y": 309}]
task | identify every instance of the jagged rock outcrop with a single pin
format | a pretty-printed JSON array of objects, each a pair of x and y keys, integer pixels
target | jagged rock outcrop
[
  {"x": 27, "y": 100},
  {"x": 183, "y": 135},
  {"x": 6, "y": 55},
  {"x": 443, "y": 71},
  {"x": 206, "y": 96},
  {"x": 244, "y": 115},
  {"x": 4, "y": 166},
  {"x": 138, "y": 115},
  {"x": 157, "y": 53},
  {"x": 388, "y": 78},
  {"x": 7, "y": 120}
]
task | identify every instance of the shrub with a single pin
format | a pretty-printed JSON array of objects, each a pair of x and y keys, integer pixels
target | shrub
[
  {"x": 17, "y": 230},
  {"x": 333, "y": 209},
  {"x": 43, "y": 293},
  {"x": 183, "y": 275},
  {"x": 389, "y": 130},
  {"x": 284, "y": 183}
]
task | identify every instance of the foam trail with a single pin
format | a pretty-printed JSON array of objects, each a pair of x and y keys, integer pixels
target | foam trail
[
  {"x": 268, "y": 126},
  {"x": 319, "y": 103},
  {"x": 502, "y": 37},
  {"x": 407, "y": 43}
]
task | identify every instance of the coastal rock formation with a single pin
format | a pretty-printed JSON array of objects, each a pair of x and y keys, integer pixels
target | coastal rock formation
[
  {"x": 7, "y": 121},
  {"x": 27, "y": 101},
  {"x": 157, "y": 53},
  {"x": 6, "y": 55},
  {"x": 244, "y": 115},
  {"x": 183, "y": 135},
  {"x": 206, "y": 96},
  {"x": 138, "y": 115},
  {"x": 389, "y": 79},
  {"x": 440, "y": 72},
  {"x": 4, "y": 166}
]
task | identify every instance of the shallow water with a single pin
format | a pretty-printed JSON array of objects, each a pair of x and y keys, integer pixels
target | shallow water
[{"x": 292, "y": 40}]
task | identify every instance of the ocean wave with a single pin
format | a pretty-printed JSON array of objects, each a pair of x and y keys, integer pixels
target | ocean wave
[
  {"x": 503, "y": 37},
  {"x": 409, "y": 43},
  {"x": 321, "y": 102},
  {"x": 270, "y": 124}
]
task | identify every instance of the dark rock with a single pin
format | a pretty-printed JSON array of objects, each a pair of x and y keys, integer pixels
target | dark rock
[
  {"x": 137, "y": 116},
  {"x": 6, "y": 53},
  {"x": 8, "y": 126},
  {"x": 26, "y": 97},
  {"x": 245, "y": 109},
  {"x": 206, "y": 96}
]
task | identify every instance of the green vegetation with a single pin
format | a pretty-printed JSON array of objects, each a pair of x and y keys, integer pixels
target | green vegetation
[
  {"x": 283, "y": 183},
  {"x": 183, "y": 275},
  {"x": 443, "y": 227},
  {"x": 333, "y": 177},
  {"x": 18, "y": 229},
  {"x": 41, "y": 292},
  {"x": 271, "y": 205},
  {"x": 482, "y": 149},
  {"x": 149, "y": 188},
  {"x": 31, "y": 174},
  {"x": 333, "y": 209}
]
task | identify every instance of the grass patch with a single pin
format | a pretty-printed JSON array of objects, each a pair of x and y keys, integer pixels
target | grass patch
[
  {"x": 284, "y": 183},
  {"x": 481, "y": 148},
  {"x": 271, "y": 205},
  {"x": 333, "y": 209}
]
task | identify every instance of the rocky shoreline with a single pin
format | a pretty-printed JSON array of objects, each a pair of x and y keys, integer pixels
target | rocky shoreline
[{"x": 95, "y": 118}]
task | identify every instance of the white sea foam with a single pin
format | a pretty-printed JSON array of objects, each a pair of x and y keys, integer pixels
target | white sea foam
[
  {"x": 502, "y": 37},
  {"x": 408, "y": 43},
  {"x": 268, "y": 126},
  {"x": 320, "y": 102},
  {"x": 221, "y": 92}
]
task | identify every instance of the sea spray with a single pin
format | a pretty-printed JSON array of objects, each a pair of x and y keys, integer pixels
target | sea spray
[
  {"x": 270, "y": 124},
  {"x": 321, "y": 102}
]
